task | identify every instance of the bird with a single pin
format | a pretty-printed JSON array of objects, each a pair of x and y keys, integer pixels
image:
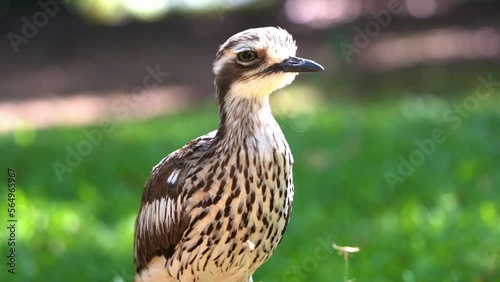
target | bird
[{"x": 216, "y": 209}]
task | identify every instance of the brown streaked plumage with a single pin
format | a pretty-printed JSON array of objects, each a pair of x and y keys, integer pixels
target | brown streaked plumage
[{"x": 217, "y": 208}]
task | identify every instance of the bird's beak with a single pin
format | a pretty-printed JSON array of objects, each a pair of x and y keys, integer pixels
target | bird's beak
[{"x": 295, "y": 64}]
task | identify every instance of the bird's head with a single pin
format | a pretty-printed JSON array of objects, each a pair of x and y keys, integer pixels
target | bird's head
[{"x": 255, "y": 62}]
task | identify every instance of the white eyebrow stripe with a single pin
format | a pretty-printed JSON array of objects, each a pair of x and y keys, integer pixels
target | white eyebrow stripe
[
  {"x": 173, "y": 177},
  {"x": 242, "y": 48}
]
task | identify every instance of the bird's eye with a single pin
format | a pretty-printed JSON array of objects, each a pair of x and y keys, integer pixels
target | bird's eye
[{"x": 247, "y": 56}]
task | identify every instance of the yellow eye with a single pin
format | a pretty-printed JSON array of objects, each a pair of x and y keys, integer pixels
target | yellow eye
[{"x": 247, "y": 56}]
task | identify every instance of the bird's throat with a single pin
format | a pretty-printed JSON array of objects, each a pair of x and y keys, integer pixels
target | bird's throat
[{"x": 242, "y": 117}]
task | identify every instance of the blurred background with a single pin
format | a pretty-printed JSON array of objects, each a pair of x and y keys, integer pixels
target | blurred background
[{"x": 396, "y": 143}]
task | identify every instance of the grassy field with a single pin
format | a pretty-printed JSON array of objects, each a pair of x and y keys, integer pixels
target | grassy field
[{"x": 413, "y": 182}]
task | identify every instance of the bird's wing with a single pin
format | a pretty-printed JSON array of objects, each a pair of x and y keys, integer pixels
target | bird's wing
[{"x": 161, "y": 221}]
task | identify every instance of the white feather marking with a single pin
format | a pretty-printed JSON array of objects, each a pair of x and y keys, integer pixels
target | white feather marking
[
  {"x": 170, "y": 213},
  {"x": 173, "y": 177},
  {"x": 220, "y": 63},
  {"x": 163, "y": 208}
]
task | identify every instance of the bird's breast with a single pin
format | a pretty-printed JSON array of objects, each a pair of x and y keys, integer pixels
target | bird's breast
[{"x": 240, "y": 208}]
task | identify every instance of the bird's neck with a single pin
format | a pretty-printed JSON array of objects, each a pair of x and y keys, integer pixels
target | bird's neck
[{"x": 243, "y": 117}]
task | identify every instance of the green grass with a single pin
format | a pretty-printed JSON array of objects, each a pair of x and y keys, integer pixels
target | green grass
[{"x": 441, "y": 224}]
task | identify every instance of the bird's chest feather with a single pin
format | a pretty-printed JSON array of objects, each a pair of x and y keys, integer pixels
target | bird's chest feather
[{"x": 241, "y": 210}]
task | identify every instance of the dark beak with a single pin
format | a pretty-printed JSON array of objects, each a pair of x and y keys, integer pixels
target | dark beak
[{"x": 295, "y": 64}]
